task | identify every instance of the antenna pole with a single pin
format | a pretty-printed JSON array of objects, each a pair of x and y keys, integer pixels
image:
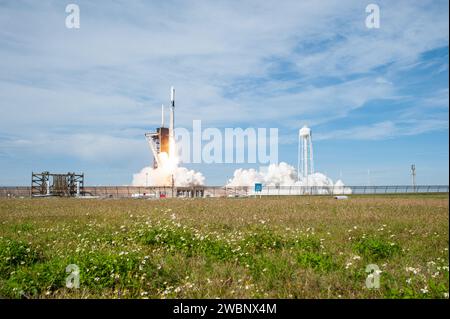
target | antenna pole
[{"x": 413, "y": 175}]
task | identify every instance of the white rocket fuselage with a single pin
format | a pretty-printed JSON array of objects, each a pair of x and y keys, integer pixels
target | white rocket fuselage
[{"x": 172, "y": 114}]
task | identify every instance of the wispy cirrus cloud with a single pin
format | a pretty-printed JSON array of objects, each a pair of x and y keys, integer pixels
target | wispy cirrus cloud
[{"x": 385, "y": 130}]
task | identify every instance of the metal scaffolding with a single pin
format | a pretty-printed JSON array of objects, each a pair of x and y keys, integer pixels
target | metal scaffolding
[{"x": 50, "y": 184}]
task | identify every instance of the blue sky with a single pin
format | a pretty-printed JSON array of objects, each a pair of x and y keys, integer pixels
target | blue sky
[{"x": 81, "y": 99}]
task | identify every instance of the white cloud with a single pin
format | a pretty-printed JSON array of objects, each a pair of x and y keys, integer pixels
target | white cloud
[
  {"x": 384, "y": 130},
  {"x": 106, "y": 78},
  {"x": 94, "y": 148}
]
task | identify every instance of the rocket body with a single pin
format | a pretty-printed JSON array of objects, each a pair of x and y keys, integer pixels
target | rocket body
[
  {"x": 163, "y": 140},
  {"x": 172, "y": 147},
  {"x": 172, "y": 96},
  {"x": 172, "y": 114}
]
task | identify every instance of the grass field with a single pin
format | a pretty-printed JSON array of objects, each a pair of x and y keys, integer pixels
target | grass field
[{"x": 286, "y": 247}]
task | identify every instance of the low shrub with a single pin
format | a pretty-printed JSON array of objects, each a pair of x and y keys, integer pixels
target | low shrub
[
  {"x": 16, "y": 253},
  {"x": 376, "y": 248},
  {"x": 318, "y": 262}
]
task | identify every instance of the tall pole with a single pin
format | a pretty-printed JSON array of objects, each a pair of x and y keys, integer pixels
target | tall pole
[
  {"x": 173, "y": 186},
  {"x": 299, "y": 154},
  {"x": 413, "y": 175},
  {"x": 311, "y": 159}
]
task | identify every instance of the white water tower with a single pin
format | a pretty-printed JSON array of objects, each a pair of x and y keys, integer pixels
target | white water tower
[{"x": 305, "y": 165}]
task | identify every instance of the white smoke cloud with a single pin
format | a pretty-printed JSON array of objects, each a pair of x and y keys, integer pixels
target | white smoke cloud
[
  {"x": 168, "y": 171},
  {"x": 182, "y": 176},
  {"x": 283, "y": 174},
  {"x": 274, "y": 174}
]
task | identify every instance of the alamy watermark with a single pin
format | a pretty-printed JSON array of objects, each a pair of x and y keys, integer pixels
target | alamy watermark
[
  {"x": 73, "y": 279},
  {"x": 230, "y": 145},
  {"x": 373, "y": 19},
  {"x": 73, "y": 17},
  {"x": 373, "y": 277}
]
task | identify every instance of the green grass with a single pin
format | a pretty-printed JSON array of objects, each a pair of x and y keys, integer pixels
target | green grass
[
  {"x": 316, "y": 261},
  {"x": 376, "y": 248},
  {"x": 286, "y": 247}
]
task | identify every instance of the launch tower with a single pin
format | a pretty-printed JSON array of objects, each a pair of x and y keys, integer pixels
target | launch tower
[{"x": 160, "y": 141}]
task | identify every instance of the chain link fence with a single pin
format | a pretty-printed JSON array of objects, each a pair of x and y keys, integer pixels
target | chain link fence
[
  {"x": 333, "y": 190},
  {"x": 221, "y": 191}
]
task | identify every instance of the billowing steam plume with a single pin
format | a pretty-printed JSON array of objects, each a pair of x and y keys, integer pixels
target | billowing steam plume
[
  {"x": 281, "y": 174},
  {"x": 168, "y": 169},
  {"x": 182, "y": 176}
]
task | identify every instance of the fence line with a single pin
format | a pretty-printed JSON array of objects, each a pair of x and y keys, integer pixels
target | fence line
[{"x": 222, "y": 191}]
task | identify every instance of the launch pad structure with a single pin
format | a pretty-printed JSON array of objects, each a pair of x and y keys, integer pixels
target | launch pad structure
[
  {"x": 50, "y": 184},
  {"x": 161, "y": 140},
  {"x": 158, "y": 142}
]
